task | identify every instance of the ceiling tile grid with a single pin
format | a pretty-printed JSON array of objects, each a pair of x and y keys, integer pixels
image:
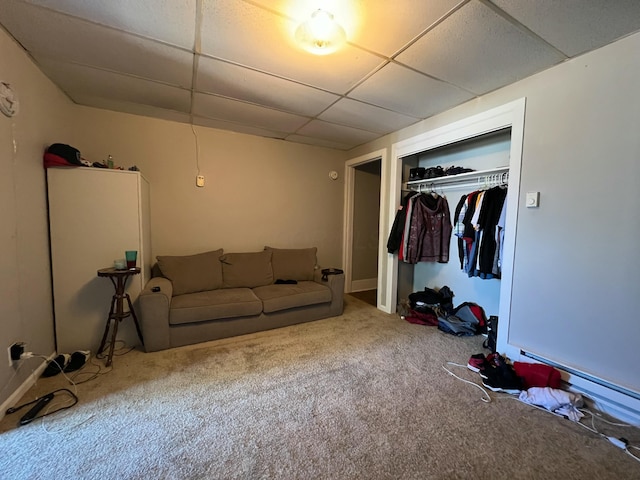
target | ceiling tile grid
[
  {"x": 229, "y": 80},
  {"x": 401, "y": 89},
  {"x": 247, "y": 35},
  {"x": 233, "y": 64},
  {"x": 78, "y": 79},
  {"x": 170, "y": 21},
  {"x": 478, "y": 50},
  {"x": 220, "y": 108}
]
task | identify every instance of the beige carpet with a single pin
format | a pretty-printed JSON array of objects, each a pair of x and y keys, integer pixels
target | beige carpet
[{"x": 360, "y": 396}]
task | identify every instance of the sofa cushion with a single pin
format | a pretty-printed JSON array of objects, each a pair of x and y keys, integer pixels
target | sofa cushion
[
  {"x": 192, "y": 273},
  {"x": 214, "y": 305},
  {"x": 250, "y": 270},
  {"x": 293, "y": 263},
  {"x": 283, "y": 296}
]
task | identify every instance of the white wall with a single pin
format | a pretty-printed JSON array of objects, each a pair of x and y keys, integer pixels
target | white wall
[
  {"x": 25, "y": 290},
  {"x": 575, "y": 286},
  {"x": 482, "y": 154}
]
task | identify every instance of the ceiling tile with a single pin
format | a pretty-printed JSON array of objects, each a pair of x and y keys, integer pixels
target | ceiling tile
[
  {"x": 363, "y": 20},
  {"x": 251, "y": 36},
  {"x": 237, "y": 127},
  {"x": 216, "y": 76},
  {"x": 144, "y": 17},
  {"x": 81, "y": 80},
  {"x": 336, "y": 133},
  {"x": 132, "y": 108},
  {"x": 410, "y": 18},
  {"x": 400, "y": 89},
  {"x": 367, "y": 117},
  {"x": 576, "y": 26},
  {"x": 221, "y": 108},
  {"x": 479, "y": 50},
  {"x": 65, "y": 38},
  {"x": 319, "y": 142}
]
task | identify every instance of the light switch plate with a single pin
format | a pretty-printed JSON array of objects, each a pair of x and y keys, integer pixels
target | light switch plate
[{"x": 533, "y": 199}]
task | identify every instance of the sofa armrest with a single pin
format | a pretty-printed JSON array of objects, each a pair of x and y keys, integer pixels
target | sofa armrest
[
  {"x": 154, "y": 313},
  {"x": 336, "y": 284}
]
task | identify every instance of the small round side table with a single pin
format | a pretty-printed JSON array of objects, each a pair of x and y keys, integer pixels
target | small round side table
[{"x": 116, "y": 312}]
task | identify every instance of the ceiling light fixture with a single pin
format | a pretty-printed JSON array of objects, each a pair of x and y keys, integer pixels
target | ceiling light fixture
[{"x": 321, "y": 34}]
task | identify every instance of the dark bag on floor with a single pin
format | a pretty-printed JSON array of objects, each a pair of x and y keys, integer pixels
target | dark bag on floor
[
  {"x": 456, "y": 326},
  {"x": 473, "y": 314}
]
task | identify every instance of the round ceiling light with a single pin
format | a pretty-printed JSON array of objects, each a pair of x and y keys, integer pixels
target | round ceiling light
[{"x": 321, "y": 34}]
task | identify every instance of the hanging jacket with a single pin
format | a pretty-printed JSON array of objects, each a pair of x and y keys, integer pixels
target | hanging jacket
[
  {"x": 430, "y": 230},
  {"x": 397, "y": 229}
]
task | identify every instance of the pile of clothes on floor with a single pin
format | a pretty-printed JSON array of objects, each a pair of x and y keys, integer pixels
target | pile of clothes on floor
[
  {"x": 435, "y": 307},
  {"x": 534, "y": 383}
]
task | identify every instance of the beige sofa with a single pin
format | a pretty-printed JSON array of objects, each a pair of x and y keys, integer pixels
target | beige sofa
[{"x": 214, "y": 295}]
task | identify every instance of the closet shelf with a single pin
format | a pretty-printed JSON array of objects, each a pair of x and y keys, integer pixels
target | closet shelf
[{"x": 478, "y": 179}]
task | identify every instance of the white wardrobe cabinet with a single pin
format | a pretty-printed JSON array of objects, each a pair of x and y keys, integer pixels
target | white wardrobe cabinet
[{"x": 94, "y": 216}]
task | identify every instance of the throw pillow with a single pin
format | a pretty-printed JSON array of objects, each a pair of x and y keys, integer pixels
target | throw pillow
[
  {"x": 252, "y": 269},
  {"x": 293, "y": 263},
  {"x": 192, "y": 273}
]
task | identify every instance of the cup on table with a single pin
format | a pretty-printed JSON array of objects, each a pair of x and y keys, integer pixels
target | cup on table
[
  {"x": 119, "y": 264},
  {"x": 131, "y": 257}
]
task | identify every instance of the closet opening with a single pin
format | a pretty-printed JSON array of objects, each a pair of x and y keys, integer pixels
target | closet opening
[
  {"x": 485, "y": 142},
  {"x": 455, "y": 175}
]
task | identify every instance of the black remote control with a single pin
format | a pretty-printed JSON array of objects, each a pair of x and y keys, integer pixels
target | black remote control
[{"x": 31, "y": 414}]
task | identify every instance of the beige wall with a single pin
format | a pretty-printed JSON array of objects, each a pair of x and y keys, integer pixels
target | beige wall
[
  {"x": 366, "y": 214},
  {"x": 25, "y": 290},
  {"x": 257, "y": 192}
]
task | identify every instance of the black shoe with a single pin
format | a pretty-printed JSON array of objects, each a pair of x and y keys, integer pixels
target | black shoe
[
  {"x": 416, "y": 173},
  {"x": 78, "y": 359},
  {"x": 57, "y": 365},
  {"x": 499, "y": 376}
]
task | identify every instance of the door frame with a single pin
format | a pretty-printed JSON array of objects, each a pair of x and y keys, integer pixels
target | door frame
[
  {"x": 349, "y": 193},
  {"x": 510, "y": 115}
]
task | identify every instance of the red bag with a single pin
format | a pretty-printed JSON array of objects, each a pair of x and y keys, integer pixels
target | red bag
[{"x": 537, "y": 375}]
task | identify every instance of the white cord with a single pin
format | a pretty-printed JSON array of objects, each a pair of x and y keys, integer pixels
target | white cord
[
  {"x": 197, "y": 149},
  {"x": 635, "y": 457},
  {"x": 620, "y": 443},
  {"x": 486, "y": 394}
]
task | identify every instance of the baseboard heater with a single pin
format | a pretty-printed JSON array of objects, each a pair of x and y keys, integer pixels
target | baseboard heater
[{"x": 577, "y": 373}]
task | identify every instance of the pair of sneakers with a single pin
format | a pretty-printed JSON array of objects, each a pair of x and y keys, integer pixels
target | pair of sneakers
[
  {"x": 496, "y": 373},
  {"x": 66, "y": 363}
]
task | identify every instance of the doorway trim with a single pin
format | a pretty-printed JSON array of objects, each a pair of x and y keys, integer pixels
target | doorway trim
[
  {"x": 349, "y": 192},
  {"x": 510, "y": 115}
]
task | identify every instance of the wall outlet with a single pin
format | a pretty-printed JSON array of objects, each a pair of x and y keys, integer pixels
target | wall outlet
[
  {"x": 14, "y": 352},
  {"x": 200, "y": 180}
]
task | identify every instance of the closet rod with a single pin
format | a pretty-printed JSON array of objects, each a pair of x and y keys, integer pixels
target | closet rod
[{"x": 481, "y": 182}]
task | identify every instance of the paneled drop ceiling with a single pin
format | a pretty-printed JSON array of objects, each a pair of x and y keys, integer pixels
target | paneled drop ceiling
[{"x": 233, "y": 65}]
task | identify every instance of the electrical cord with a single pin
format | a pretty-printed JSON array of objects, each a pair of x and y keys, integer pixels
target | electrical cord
[
  {"x": 486, "y": 394},
  {"x": 117, "y": 352},
  {"x": 621, "y": 443},
  {"x": 93, "y": 374},
  {"x": 43, "y": 400}
]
